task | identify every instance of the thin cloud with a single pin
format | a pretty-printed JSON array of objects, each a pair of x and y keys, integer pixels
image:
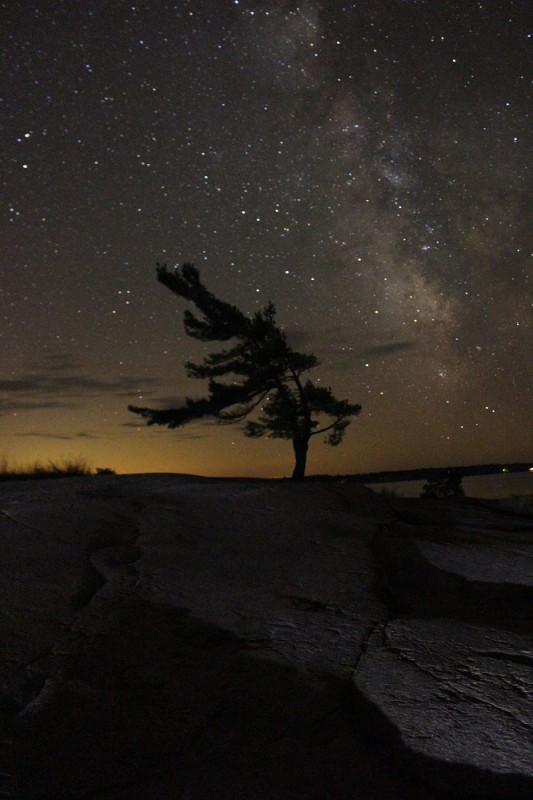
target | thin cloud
[
  {"x": 168, "y": 401},
  {"x": 389, "y": 349},
  {"x": 63, "y": 436},
  {"x": 71, "y": 384},
  {"x": 177, "y": 433},
  {"x": 298, "y": 338},
  {"x": 12, "y": 406},
  {"x": 56, "y": 362},
  {"x": 40, "y": 391}
]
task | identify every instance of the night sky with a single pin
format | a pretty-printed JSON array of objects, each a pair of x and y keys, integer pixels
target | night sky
[{"x": 362, "y": 164}]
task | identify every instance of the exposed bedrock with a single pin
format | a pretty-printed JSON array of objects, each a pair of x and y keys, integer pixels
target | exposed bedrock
[
  {"x": 177, "y": 638},
  {"x": 454, "y": 701},
  {"x": 428, "y": 575}
]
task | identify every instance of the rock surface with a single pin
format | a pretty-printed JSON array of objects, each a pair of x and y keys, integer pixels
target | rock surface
[
  {"x": 175, "y": 637},
  {"x": 457, "y": 699}
]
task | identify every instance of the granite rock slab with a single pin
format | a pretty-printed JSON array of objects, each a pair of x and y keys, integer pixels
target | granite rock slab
[
  {"x": 455, "y": 703},
  {"x": 170, "y": 636}
]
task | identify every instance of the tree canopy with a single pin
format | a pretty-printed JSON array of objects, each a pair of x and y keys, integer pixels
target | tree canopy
[{"x": 264, "y": 374}]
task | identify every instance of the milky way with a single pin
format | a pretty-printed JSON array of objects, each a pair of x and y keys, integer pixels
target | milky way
[{"x": 364, "y": 165}]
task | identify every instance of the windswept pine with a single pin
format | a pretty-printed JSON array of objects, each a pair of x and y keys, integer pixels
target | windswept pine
[{"x": 265, "y": 375}]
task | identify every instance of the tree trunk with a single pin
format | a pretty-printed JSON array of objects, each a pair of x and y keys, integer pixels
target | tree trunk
[{"x": 300, "y": 446}]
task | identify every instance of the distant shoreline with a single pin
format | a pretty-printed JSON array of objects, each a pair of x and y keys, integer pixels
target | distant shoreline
[{"x": 433, "y": 473}]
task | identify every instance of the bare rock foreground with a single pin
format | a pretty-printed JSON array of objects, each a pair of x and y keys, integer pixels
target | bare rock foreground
[{"x": 176, "y": 638}]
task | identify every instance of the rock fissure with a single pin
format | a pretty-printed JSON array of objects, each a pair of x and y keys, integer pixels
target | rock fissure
[
  {"x": 462, "y": 694},
  {"x": 525, "y": 659},
  {"x": 39, "y": 530},
  {"x": 375, "y": 628},
  {"x": 436, "y": 674}
]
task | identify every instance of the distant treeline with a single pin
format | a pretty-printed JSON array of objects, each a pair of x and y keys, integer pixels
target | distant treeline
[{"x": 434, "y": 473}]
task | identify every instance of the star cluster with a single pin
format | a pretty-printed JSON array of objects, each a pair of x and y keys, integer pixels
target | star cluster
[{"x": 362, "y": 164}]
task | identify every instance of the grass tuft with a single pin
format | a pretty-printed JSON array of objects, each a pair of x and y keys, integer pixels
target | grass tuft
[{"x": 69, "y": 467}]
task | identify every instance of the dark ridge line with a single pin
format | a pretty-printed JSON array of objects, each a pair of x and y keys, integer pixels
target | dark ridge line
[{"x": 429, "y": 473}]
